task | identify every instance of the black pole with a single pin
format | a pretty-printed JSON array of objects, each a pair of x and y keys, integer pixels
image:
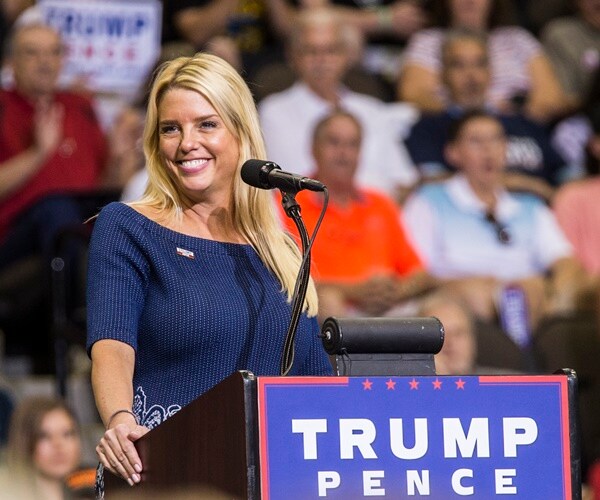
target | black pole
[{"x": 59, "y": 322}]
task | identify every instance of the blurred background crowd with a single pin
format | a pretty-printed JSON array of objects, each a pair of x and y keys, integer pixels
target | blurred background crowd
[{"x": 459, "y": 141}]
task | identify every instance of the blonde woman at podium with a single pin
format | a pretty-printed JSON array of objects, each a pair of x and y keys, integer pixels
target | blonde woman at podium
[{"x": 193, "y": 282}]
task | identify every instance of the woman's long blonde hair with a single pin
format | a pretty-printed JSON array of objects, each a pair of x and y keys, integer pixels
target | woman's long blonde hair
[{"x": 253, "y": 210}]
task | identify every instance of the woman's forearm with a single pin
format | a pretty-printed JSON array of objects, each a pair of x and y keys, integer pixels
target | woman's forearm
[{"x": 112, "y": 376}]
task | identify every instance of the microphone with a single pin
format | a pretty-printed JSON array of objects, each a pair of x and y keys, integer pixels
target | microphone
[{"x": 268, "y": 175}]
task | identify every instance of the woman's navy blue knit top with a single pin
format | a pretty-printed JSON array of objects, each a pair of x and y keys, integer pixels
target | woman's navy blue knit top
[{"x": 194, "y": 310}]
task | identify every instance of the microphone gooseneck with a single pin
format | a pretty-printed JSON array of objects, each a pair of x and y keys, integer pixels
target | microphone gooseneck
[{"x": 264, "y": 174}]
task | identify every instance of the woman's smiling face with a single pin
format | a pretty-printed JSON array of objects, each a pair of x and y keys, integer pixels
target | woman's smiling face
[{"x": 196, "y": 146}]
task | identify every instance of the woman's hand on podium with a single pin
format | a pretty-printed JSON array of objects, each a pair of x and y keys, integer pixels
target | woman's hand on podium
[{"x": 117, "y": 451}]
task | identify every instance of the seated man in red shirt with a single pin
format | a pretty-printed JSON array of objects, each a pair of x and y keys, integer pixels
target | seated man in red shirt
[
  {"x": 363, "y": 262},
  {"x": 51, "y": 145}
]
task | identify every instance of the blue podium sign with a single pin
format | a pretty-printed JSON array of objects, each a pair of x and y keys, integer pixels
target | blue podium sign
[{"x": 430, "y": 437}]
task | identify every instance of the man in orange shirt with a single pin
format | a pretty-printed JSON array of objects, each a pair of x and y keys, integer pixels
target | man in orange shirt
[{"x": 363, "y": 262}]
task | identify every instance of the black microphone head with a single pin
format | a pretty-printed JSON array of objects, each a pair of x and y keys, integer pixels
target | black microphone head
[{"x": 255, "y": 173}]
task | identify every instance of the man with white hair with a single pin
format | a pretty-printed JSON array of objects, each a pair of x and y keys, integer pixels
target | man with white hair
[
  {"x": 50, "y": 145},
  {"x": 320, "y": 54}
]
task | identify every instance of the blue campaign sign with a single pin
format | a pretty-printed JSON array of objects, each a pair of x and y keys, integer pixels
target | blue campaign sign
[
  {"x": 414, "y": 437},
  {"x": 112, "y": 44}
]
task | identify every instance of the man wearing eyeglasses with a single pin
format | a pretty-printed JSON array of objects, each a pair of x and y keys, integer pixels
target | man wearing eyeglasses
[
  {"x": 51, "y": 147},
  {"x": 50, "y": 144},
  {"x": 478, "y": 238}
]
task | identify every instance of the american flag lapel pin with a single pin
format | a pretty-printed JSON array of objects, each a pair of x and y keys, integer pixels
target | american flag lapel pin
[{"x": 185, "y": 253}]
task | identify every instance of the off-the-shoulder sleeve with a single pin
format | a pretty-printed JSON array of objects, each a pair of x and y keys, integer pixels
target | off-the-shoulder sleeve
[{"x": 117, "y": 277}]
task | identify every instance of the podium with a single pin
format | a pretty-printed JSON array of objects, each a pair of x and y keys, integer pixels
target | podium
[
  {"x": 211, "y": 442},
  {"x": 435, "y": 437}
]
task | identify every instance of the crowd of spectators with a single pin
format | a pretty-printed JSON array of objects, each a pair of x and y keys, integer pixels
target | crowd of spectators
[
  {"x": 460, "y": 140},
  {"x": 532, "y": 162}
]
